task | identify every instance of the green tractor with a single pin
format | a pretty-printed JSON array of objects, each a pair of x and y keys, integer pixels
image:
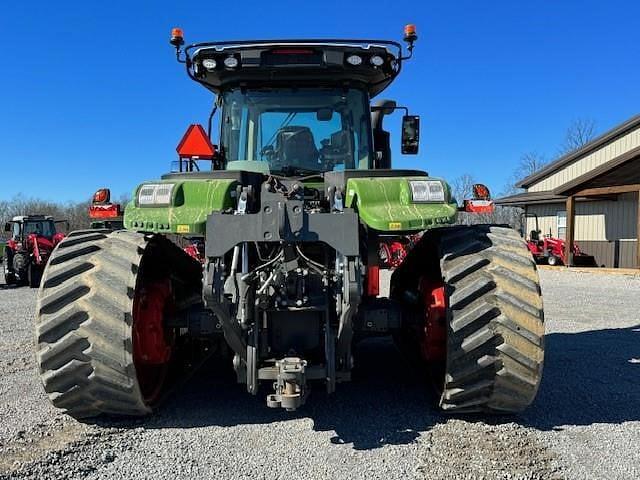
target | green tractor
[{"x": 294, "y": 213}]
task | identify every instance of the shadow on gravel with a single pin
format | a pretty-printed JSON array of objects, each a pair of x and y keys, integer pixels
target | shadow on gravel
[
  {"x": 589, "y": 377},
  {"x": 384, "y": 404}
]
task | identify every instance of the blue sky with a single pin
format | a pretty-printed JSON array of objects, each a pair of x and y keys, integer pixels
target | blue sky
[{"x": 91, "y": 94}]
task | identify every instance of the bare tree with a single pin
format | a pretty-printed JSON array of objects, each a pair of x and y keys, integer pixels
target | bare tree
[
  {"x": 530, "y": 163},
  {"x": 580, "y": 132},
  {"x": 462, "y": 187}
]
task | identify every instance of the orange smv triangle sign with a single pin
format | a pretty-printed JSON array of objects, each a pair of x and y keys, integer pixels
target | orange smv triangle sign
[{"x": 195, "y": 143}]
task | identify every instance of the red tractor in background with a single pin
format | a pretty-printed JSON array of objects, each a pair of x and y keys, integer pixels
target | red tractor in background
[
  {"x": 551, "y": 250},
  {"x": 103, "y": 213},
  {"x": 33, "y": 238}
]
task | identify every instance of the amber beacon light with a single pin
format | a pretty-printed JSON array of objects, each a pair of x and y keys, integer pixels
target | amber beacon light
[{"x": 177, "y": 37}]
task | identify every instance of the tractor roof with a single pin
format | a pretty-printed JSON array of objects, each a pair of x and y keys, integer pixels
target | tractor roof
[
  {"x": 26, "y": 218},
  {"x": 372, "y": 64}
]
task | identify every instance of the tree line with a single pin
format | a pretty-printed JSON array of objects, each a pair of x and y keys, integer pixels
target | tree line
[{"x": 76, "y": 213}]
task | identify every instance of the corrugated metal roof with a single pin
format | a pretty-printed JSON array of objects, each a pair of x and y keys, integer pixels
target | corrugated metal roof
[
  {"x": 574, "y": 185},
  {"x": 571, "y": 157},
  {"x": 529, "y": 198}
]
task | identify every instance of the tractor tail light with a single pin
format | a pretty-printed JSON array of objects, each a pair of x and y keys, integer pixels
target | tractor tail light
[
  {"x": 104, "y": 211},
  {"x": 373, "y": 281}
]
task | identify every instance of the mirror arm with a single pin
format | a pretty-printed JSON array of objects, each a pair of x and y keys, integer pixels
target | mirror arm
[
  {"x": 388, "y": 109},
  {"x": 210, "y": 124}
]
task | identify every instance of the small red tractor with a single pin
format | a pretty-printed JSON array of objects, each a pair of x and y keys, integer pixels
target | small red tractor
[
  {"x": 552, "y": 251},
  {"x": 33, "y": 238}
]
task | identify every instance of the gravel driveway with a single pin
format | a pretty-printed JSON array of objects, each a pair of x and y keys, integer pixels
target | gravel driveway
[{"x": 585, "y": 422}]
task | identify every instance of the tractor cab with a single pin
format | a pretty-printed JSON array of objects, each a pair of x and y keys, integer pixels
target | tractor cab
[
  {"x": 21, "y": 227},
  {"x": 298, "y": 107},
  {"x": 33, "y": 238}
]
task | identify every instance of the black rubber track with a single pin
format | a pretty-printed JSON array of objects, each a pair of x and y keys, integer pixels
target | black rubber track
[
  {"x": 83, "y": 324},
  {"x": 495, "y": 344}
]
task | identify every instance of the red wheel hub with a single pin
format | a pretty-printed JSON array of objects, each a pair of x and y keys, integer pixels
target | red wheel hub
[
  {"x": 434, "y": 333},
  {"x": 150, "y": 345}
]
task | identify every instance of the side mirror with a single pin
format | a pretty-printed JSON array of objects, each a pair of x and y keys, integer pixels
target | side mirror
[
  {"x": 7, "y": 227},
  {"x": 410, "y": 134}
]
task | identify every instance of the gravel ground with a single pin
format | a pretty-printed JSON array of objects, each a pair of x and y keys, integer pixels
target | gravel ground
[{"x": 584, "y": 424}]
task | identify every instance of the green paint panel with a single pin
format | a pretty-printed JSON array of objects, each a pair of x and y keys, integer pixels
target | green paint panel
[
  {"x": 191, "y": 202},
  {"x": 385, "y": 204}
]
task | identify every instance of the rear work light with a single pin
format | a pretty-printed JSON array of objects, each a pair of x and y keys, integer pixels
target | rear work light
[
  {"x": 209, "y": 64},
  {"x": 104, "y": 211},
  {"x": 376, "y": 61},
  {"x": 231, "y": 62},
  {"x": 426, "y": 191},
  {"x": 354, "y": 60},
  {"x": 152, "y": 194}
]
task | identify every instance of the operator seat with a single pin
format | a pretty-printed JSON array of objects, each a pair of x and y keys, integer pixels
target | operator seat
[
  {"x": 296, "y": 147},
  {"x": 338, "y": 149},
  {"x": 535, "y": 237}
]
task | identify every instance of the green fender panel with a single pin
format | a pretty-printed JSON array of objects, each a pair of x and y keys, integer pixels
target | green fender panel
[
  {"x": 191, "y": 202},
  {"x": 385, "y": 204}
]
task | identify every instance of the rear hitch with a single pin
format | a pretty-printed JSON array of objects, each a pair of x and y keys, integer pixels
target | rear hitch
[{"x": 290, "y": 385}]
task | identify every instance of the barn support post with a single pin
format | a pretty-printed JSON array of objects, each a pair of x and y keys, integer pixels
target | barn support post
[
  {"x": 638, "y": 235},
  {"x": 570, "y": 235}
]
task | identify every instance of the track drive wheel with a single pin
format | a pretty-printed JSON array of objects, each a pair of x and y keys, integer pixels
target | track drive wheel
[
  {"x": 34, "y": 275},
  {"x": 9, "y": 276},
  {"x": 485, "y": 346},
  {"x": 20, "y": 268},
  {"x": 101, "y": 344}
]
